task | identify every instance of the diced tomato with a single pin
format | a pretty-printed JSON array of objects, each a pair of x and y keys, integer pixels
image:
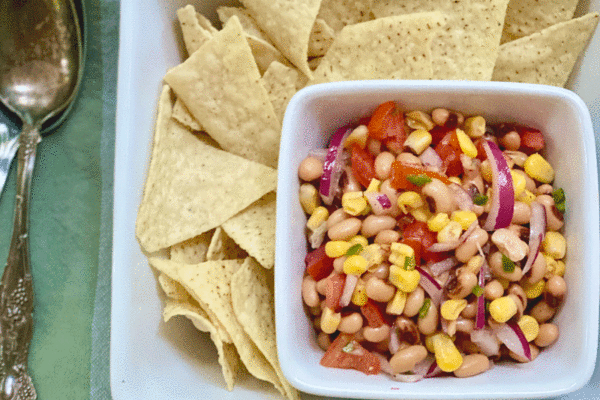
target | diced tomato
[
  {"x": 387, "y": 122},
  {"x": 363, "y": 165},
  {"x": 419, "y": 232},
  {"x": 438, "y": 133},
  {"x": 417, "y": 247},
  {"x": 400, "y": 173},
  {"x": 356, "y": 357},
  {"x": 449, "y": 151},
  {"x": 373, "y": 314},
  {"x": 532, "y": 140},
  {"x": 481, "y": 154},
  {"x": 334, "y": 290},
  {"x": 318, "y": 265}
]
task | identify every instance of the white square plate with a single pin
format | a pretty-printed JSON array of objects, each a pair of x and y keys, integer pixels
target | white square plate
[{"x": 150, "y": 359}]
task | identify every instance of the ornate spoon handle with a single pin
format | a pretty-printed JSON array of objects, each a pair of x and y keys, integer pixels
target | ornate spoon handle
[{"x": 16, "y": 287}]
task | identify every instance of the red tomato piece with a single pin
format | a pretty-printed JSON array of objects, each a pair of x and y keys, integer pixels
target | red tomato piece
[
  {"x": 318, "y": 265},
  {"x": 416, "y": 245},
  {"x": 334, "y": 290},
  {"x": 347, "y": 353},
  {"x": 449, "y": 151},
  {"x": 481, "y": 154},
  {"x": 532, "y": 140},
  {"x": 419, "y": 232},
  {"x": 400, "y": 173},
  {"x": 386, "y": 122},
  {"x": 373, "y": 314},
  {"x": 363, "y": 165}
]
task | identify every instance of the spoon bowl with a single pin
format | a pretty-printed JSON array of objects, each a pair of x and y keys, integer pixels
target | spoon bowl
[{"x": 40, "y": 71}]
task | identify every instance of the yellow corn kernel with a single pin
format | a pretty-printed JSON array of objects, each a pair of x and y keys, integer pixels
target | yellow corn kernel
[
  {"x": 466, "y": 144},
  {"x": 438, "y": 222},
  {"x": 354, "y": 203},
  {"x": 429, "y": 342},
  {"x": 504, "y": 282},
  {"x": 451, "y": 309},
  {"x": 421, "y": 214},
  {"x": 447, "y": 356},
  {"x": 337, "y": 248},
  {"x": 464, "y": 218},
  {"x": 450, "y": 232},
  {"x": 538, "y": 168},
  {"x": 550, "y": 265},
  {"x": 535, "y": 290},
  {"x": 529, "y": 326},
  {"x": 502, "y": 309},
  {"x": 418, "y": 141},
  {"x": 359, "y": 239},
  {"x": 554, "y": 245},
  {"x": 519, "y": 183},
  {"x": 559, "y": 269},
  {"x": 359, "y": 296},
  {"x": 374, "y": 185},
  {"x": 373, "y": 253},
  {"x": 526, "y": 197},
  {"x": 410, "y": 199},
  {"x": 407, "y": 281},
  {"x": 396, "y": 305},
  {"x": 358, "y": 136},
  {"x": 355, "y": 265},
  {"x": 475, "y": 263},
  {"x": 455, "y": 179},
  {"x": 319, "y": 215},
  {"x": 399, "y": 252},
  {"x": 309, "y": 198},
  {"x": 475, "y": 126},
  {"x": 486, "y": 170},
  {"x": 419, "y": 120},
  {"x": 330, "y": 320}
]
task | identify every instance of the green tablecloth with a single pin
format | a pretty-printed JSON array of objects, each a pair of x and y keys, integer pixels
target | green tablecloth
[{"x": 71, "y": 204}]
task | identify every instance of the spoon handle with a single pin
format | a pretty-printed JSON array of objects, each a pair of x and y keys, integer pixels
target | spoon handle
[{"x": 16, "y": 286}]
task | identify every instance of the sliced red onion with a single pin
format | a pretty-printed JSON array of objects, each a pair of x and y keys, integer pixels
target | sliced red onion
[
  {"x": 430, "y": 158},
  {"x": 431, "y": 286},
  {"x": 537, "y": 231},
  {"x": 318, "y": 235},
  {"x": 332, "y": 167},
  {"x": 407, "y": 378},
  {"x": 503, "y": 195},
  {"x": 380, "y": 203},
  {"x": 487, "y": 341},
  {"x": 453, "y": 244},
  {"x": 440, "y": 267},
  {"x": 385, "y": 364},
  {"x": 394, "y": 343},
  {"x": 428, "y": 367},
  {"x": 484, "y": 273},
  {"x": 513, "y": 337},
  {"x": 320, "y": 153},
  {"x": 448, "y": 327},
  {"x": 349, "y": 287},
  {"x": 461, "y": 197}
]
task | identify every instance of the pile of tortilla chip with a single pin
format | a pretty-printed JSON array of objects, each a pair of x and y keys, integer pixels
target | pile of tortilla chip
[{"x": 210, "y": 193}]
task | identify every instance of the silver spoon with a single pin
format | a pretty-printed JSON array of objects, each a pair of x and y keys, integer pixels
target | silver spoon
[{"x": 40, "y": 55}]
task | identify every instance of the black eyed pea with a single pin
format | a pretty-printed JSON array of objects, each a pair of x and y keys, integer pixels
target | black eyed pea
[
  {"x": 517, "y": 157},
  {"x": 465, "y": 325},
  {"x": 406, "y": 359},
  {"x": 468, "y": 249},
  {"x": 414, "y": 302},
  {"x": 439, "y": 116},
  {"x": 383, "y": 165},
  {"x": 556, "y": 286},
  {"x": 382, "y": 271},
  {"x": 441, "y": 196},
  {"x": 428, "y": 324},
  {"x": 408, "y": 158},
  {"x": 535, "y": 351},
  {"x": 380, "y": 291},
  {"x": 547, "y": 335},
  {"x": 310, "y": 168},
  {"x": 344, "y": 230},
  {"x": 521, "y": 213},
  {"x": 517, "y": 290},
  {"x": 537, "y": 271},
  {"x": 461, "y": 285},
  {"x": 387, "y": 236},
  {"x": 351, "y": 323},
  {"x": 496, "y": 266},
  {"x": 493, "y": 290},
  {"x": 408, "y": 332},
  {"x": 544, "y": 188},
  {"x": 338, "y": 264},
  {"x": 470, "y": 310},
  {"x": 351, "y": 184},
  {"x": 374, "y": 224},
  {"x": 376, "y": 335},
  {"x": 511, "y": 141},
  {"x": 323, "y": 340},
  {"x": 337, "y": 216},
  {"x": 309, "y": 292},
  {"x": 542, "y": 312},
  {"x": 473, "y": 364},
  {"x": 321, "y": 285},
  {"x": 509, "y": 243},
  {"x": 554, "y": 219}
]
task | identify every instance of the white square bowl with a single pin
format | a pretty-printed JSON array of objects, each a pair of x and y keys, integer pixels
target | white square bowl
[{"x": 314, "y": 114}]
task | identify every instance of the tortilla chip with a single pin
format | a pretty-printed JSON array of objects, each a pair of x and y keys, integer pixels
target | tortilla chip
[
  {"x": 321, "y": 38},
  {"x": 339, "y": 13},
  {"x": 172, "y": 288},
  {"x": 192, "y": 187},
  {"x": 220, "y": 86},
  {"x": 545, "y": 57},
  {"x": 194, "y": 34},
  {"x": 228, "y": 357},
  {"x": 280, "y": 82},
  {"x": 288, "y": 23},
  {"x": 182, "y": 115},
  {"x": 222, "y": 247},
  {"x": 252, "y": 297},
  {"x": 397, "y": 47},
  {"x": 524, "y": 17},
  {"x": 249, "y": 25},
  {"x": 210, "y": 284},
  {"x": 468, "y": 47},
  {"x": 192, "y": 251}
]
